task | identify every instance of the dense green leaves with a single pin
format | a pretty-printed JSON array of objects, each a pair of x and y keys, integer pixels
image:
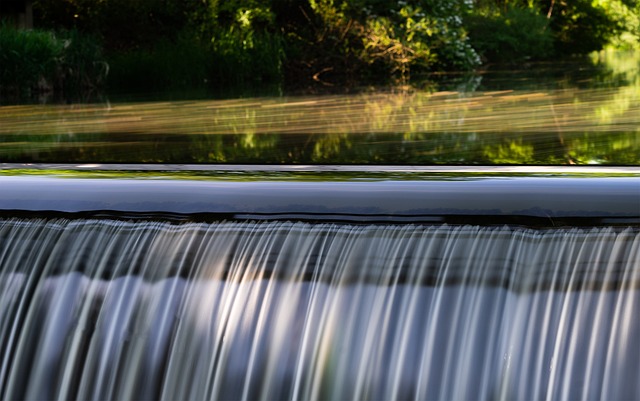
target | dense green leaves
[
  {"x": 315, "y": 43},
  {"x": 511, "y": 35},
  {"x": 582, "y": 26},
  {"x": 26, "y": 57},
  {"x": 39, "y": 61}
]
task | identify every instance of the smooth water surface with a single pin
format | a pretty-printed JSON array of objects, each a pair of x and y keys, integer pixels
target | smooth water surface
[{"x": 592, "y": 118}]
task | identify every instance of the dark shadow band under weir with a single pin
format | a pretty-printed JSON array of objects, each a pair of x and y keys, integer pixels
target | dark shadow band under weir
[{"x": 533, "y": 222}]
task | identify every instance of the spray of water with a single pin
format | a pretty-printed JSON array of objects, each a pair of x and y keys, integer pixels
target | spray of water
[{"x": 109, "y": 309}]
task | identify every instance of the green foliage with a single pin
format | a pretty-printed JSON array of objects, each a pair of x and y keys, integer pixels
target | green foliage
[
  {"x": 510, "y": 35},
  {"x": 247, "y": 57},
  {"x": 318, "y": 42},
  {"x": 426, "y": 35},
  {"x": 190, "y": 44},
  {"x": 412, "y": 39},
  {"x": 370, "y": 39},
  {"x": 328, "y": 42},
  {"x": 627, "y": 12},
  {"x": 245, "y": 46},
  {"x": 35, "y": 61},
  {"x": 513, "y": 30},
  {"x": 27, "y": 57},
  {"x": 448, "y": 36},
  {"x": 82, "y": 66},
  {"x": 582, "y": 26}
]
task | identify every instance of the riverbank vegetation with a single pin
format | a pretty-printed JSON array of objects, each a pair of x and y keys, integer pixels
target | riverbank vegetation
[
  {"x": 38, "y": 61},
  {"x": 153, "y": 45}
]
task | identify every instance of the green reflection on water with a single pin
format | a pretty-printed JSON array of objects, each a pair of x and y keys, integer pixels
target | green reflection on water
[{"x": 595, "y": 120}]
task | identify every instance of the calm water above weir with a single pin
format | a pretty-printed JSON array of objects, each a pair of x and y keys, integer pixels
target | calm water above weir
[{"x": 586, "y": 114}]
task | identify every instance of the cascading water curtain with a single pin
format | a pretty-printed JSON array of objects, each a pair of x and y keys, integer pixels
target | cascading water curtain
[{"x": 110, "y": 309}]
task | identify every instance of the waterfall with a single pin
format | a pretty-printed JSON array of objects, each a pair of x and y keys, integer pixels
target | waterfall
[{"x": 118, "y": 309}]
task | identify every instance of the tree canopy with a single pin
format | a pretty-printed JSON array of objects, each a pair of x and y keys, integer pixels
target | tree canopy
[{"x": 337, "y": 42}]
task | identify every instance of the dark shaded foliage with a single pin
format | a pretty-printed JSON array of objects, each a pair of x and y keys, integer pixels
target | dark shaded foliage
[
  {"x": 511, "y": 36},
  {"x": 311, "y": 44}
]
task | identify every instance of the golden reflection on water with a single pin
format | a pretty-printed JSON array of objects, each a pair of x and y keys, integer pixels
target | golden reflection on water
[
  {"x": 571, "y": 110},
  {"x": 597, "y": 123}
]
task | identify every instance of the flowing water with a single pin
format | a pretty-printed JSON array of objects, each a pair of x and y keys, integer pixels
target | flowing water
[{"x": 114, "y": 309}]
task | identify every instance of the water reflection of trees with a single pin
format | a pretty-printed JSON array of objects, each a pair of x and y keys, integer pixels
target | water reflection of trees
[
  {"x": 454, "y": 148},
  {"x": 572, "y": 125}
]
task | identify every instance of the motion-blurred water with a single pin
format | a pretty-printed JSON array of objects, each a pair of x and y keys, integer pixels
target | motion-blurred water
[{"x": 110, "y": 309}]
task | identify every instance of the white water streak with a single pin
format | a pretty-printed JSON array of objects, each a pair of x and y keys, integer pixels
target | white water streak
[{"x": 105, "y": 309}]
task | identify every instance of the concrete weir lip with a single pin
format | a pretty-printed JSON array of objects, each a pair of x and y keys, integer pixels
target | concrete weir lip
[{"x": 601, "y": 200}]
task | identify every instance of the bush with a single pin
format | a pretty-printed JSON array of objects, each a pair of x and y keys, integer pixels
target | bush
[
  {"x": 380, "y": 39},
  {"x": 82, "y": 66},
  {"x": 27, "y": 58},
  {"x": 513, "y": 35},
  {"x": 583, "y": 26},
  {"x": 36, "y": 61},
  {"x": 246, "y": 47},
  {"x": 157, "y": 44},
  {"x": 257, "y": 59}
]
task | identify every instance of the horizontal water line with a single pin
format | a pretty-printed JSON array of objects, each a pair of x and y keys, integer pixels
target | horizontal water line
[{"x": 507, "y": 169}]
